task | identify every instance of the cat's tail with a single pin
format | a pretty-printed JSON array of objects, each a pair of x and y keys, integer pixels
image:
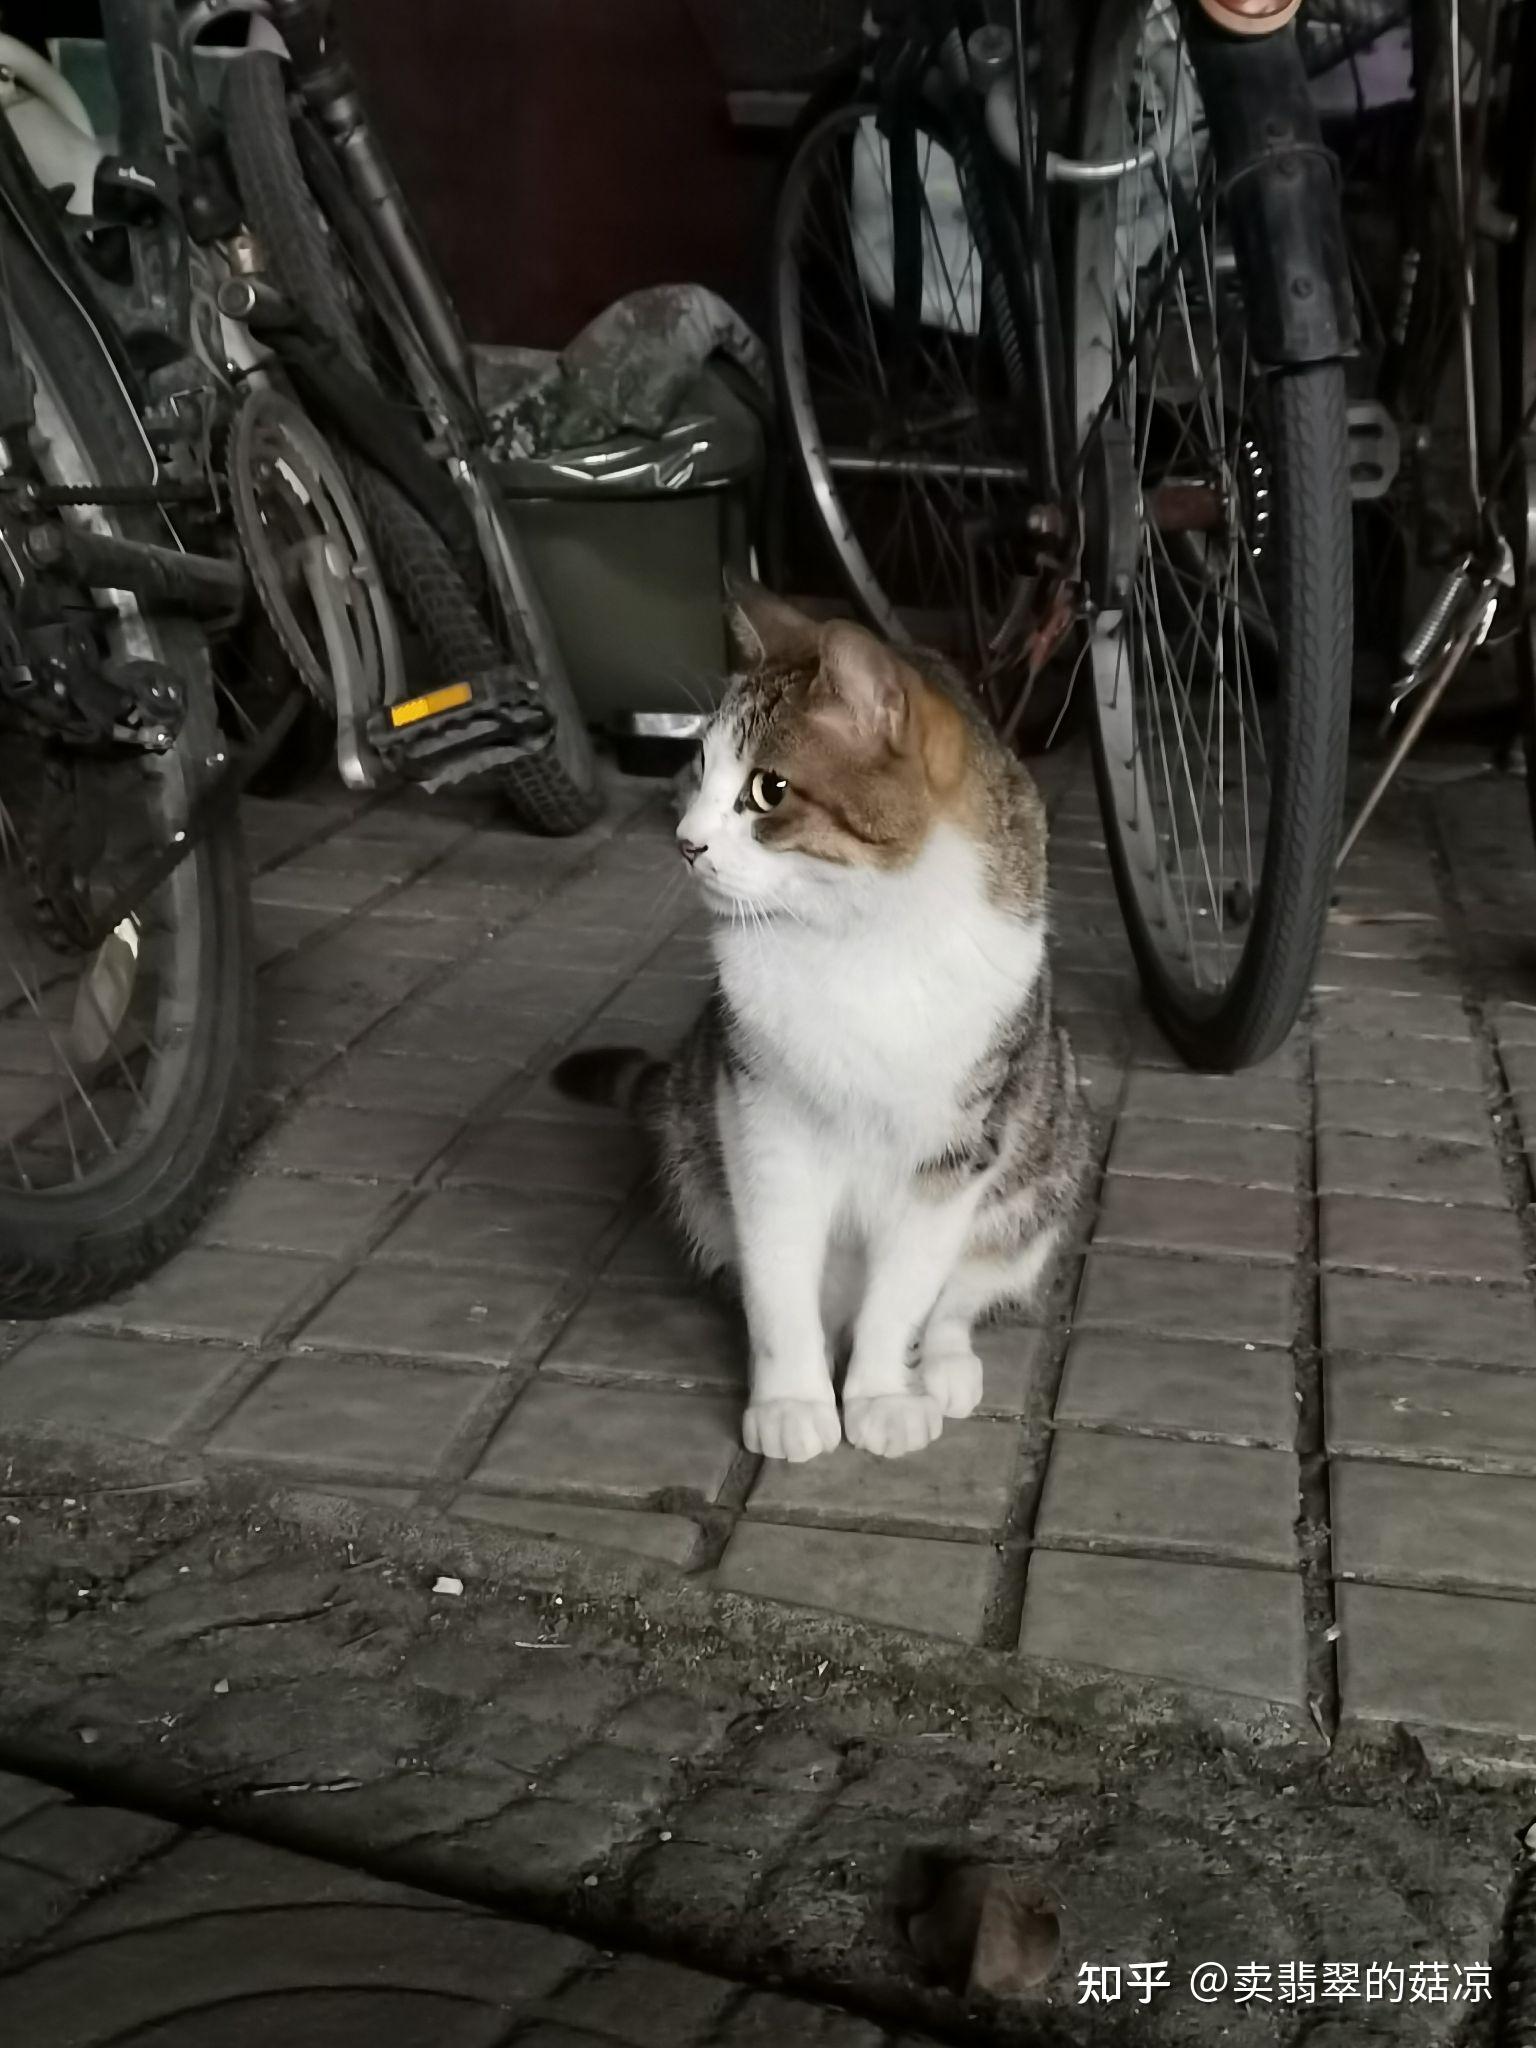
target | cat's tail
[{"x": 614, "y": 1077}]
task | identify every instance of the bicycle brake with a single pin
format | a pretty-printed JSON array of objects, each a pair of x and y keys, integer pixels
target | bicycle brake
[{"x": 462, "y": 729}]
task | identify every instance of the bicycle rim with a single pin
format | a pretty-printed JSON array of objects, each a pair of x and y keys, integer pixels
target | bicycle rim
[{"x": 908, "y": 446}]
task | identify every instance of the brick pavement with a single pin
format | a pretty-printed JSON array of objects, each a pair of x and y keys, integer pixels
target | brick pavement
[
  {"x": 1272, "y": 1434},
  {"x": 115, "y": 1926}
]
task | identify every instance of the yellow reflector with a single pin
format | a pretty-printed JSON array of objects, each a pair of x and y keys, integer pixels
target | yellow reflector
[{"x": 446, "y": 699}]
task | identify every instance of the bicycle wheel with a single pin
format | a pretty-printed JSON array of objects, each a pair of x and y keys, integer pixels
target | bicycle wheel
[
  {"x": 909, "y": 445},
  {"x": 556, "y": 792},
  {"x": 1221, "y": 683},
  {"x": 123, "y": 1065}
]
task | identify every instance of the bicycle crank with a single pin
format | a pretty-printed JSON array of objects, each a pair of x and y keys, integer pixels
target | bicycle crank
[{"x": 314, "y": 570}]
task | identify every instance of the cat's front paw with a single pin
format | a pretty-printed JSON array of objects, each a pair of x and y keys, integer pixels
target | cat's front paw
[
  {"x": 796, "y": 1430},
  {"x": 892, "y": 1425},
  {"x": 953, "y": 1378}
]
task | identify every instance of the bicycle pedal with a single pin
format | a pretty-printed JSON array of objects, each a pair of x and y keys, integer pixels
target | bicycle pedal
[{"x": 462, "y": 729}]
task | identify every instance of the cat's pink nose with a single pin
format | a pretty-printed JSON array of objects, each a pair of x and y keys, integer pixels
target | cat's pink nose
[{"x": 689, "y": 851}]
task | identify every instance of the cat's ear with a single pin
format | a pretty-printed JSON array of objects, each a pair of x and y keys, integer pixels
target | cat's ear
[
  {"x": 861, "y": 687},
  {"x": 765, "y": 628}
]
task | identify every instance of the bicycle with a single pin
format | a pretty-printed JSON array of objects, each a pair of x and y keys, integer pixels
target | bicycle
[
  {"x": 127, "y": 1011},
  {"x": 346, "y": 297},
  {"x": 1080, "y": 386},
  {"x": 1449, "y": 348}
]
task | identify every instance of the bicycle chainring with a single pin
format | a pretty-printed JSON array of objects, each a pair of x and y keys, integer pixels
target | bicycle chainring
[{"x": 311, "y": 561}]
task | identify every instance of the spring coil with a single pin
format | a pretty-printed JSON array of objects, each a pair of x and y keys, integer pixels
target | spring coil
[{"x": 1438, "y": 617}]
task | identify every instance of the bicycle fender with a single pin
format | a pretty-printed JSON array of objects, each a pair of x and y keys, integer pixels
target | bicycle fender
[{"x": 1279, "y": 185}]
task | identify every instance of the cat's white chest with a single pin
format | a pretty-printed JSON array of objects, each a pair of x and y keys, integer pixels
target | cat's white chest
[{"x": 875, "y": 1026}]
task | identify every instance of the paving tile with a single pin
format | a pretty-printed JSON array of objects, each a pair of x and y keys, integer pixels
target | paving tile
[
  {"x": 70, "y": 1382},
  {"x": 1418, "y": 1525},
  {"x": 965, "y": 1481},
  {"x": 1515, "y": 1023},
  {"x": 318, "y": 1017},
  {"x": 242, "y": 1296},
  {"x": 1187, "y": 1297},
  {"x": 1136, "y": 1492},
  {"x": 1217, "y": 1627},
  {"x": 560, "y": 993},
  {"x": 630, "y": 1333},
  {"x": 432, "y": 1031},
  {"x": 353, "y": 970},
  {"x": 482, "y": 903},
  {"x": 1394, "y": 1017},
  {"x": 1232, "y": 1153},
  {"x": 906, "y": 1582},
  {"x": 1437, "y": 1660},
  {"x": 582, "y": 1156},
  {"x": 1197, "y": 1216},
  {"x": 1245, "y": 1394},
  {"x": 333, "y": 1416},
  {"x": 1376, "y": 1312},
  {"x": 1415, "y": 1169},
  {"x": 430, "y": 1087},
  {"x": 1011, "y": 1355},
  {"x": 1392, "y": 937},
  {"x": 493, "y": 1227},
  {"x": 443, "y": 939},
  {"x": 422, "y": 1312},
  {"x": 364, "y": 1144},
  {"x": 1390, "y": 974},
  {"x": 1389, "y": 1109},
  {"x": 652, "y": 1256},
  {"x": 668, "y": 1539},
  {"x": 1411, "y": 1408},
  {"x": 282, "y": 1213},
  {"x": 349, "y": 855},
  {"x": 663, "y": 1004},
  {"x": 279, "y": 931},
  {"x": 563, "y": 1439},
  {"x": 303, "y": 889},
  {"x": 547, "y": 942},
  {"x": 1215, "y": 1099},
  {"x": 1423, "y": 1062},
  {"x": 1421, "y": 1238},
  {"x": 686, "y": 957}
]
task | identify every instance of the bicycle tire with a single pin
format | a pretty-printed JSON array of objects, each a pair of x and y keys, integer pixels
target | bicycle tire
[
  {"x": 556, "y": 793},
  {"x": 63, "y": 1247},
  {"x": 296, "y": 244},
  {"x": 1309, "y": 632}
]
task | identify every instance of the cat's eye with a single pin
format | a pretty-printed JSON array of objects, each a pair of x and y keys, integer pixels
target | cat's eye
[{"x": 765, "y": 791}]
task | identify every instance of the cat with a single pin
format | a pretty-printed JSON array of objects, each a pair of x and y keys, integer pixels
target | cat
[{"x": 875, "y": 1125}]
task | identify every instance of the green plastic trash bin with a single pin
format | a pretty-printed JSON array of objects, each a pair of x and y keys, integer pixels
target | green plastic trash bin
[{"x": 629, "y": 541}]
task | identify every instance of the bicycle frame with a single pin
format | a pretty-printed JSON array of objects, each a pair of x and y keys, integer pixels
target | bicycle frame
[{"x": 424, "y": 324}]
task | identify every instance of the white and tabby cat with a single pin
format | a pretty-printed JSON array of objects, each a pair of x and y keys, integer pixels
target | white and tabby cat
[{"x": 875, "y": 1124}]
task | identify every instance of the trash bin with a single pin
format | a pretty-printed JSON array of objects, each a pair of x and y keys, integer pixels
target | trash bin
[{"x": 629, "y": 540}]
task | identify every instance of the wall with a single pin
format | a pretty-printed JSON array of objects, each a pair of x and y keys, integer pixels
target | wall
[{"x": 562, "y": 152}]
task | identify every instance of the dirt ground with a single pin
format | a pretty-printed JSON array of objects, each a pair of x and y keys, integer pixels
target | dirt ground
[{"x": 747, "y": 1799}]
